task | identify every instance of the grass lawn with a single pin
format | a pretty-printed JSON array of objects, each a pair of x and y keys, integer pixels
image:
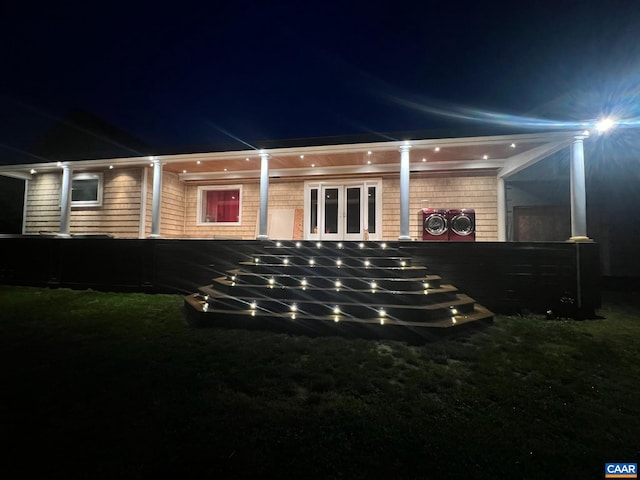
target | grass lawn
[{"x": 105, "y": 385}]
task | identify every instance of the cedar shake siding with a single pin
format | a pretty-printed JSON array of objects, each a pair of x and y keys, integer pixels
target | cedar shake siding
[
  {"x": 172, "y": 208},
  {"x": 448, "y": 191},
  {"x": 42, "y": 208},
  {"x": 148, "y": 204},
  {"x": 119, "y": 214},
  {"x": 442, "y": 191},
  {"x": 172, "y": 205},
  {"x": 283, "y": 195}
]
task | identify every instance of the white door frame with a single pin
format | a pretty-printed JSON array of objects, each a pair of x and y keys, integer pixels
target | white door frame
[{"x": 318, "y": 190}]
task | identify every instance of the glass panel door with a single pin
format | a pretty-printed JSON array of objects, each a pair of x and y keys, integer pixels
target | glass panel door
[
  {"x": 353, "y": 213},
  {"x": 331, "y": 218},
  {"x": 343, "y": 211},
  {"x": 372, "y": 214},
  {"x": 313, "y": 212}
]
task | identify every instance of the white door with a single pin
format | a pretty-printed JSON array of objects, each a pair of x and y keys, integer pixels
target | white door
[
  {"x": 332, "y": 216},
  {"x": 353, "y": 212},
  {"x": 342, "y": 211}
]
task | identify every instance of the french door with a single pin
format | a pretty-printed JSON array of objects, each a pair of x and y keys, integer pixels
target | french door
[{"x": 343, "y": 211}]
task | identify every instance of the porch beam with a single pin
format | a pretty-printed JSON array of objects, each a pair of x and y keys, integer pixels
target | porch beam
[
  {"x": 519, "y": 162},
  {"x": 345, "y": 170}
]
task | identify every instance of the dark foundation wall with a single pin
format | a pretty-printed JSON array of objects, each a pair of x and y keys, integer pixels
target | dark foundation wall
[
  {"x": 505, "y": 277},
  {"x": 511, "y": 277},
  {"x": 12, "y": 202}
]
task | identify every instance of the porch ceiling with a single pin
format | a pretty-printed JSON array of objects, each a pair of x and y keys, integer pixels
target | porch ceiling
[
  {"x": 507, "y": 152},
  {"x": 446, "y": 156}
]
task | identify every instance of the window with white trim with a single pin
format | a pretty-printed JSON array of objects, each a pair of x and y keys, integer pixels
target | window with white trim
[
  {"x": 86, "y": 190},
  {"x": 219, "y": 205}
]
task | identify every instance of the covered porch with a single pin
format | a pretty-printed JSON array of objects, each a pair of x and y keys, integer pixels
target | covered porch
[{"x": 384, "y": 184}]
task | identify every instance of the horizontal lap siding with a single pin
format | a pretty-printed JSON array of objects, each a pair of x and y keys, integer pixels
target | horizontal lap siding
[{"x": 450, "y": 191}]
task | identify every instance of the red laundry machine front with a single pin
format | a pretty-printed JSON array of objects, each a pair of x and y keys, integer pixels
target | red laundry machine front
[
  {"x": 434, "y": 224},
  {"x": 462, "y": 224}
]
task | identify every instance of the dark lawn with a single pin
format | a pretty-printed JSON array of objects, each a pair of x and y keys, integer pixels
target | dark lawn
[{"x": 105, "y": 385}]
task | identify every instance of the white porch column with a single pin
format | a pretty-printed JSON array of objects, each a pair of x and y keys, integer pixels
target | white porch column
[
  {"x": 502, "y": 211},
  {"x": 155, "y": 202},
  {"x": 264, "y": 196},
  {"x": 578, "y": 191},
  {"x": 65, "y": 200},
  {"x": 404, "y": 192}
]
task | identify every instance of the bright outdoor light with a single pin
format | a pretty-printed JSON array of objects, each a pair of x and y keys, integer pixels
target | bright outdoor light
[{"x": 605, "y": 124}]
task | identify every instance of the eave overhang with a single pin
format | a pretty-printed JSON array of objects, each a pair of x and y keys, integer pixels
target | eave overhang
[{"x": 505, "y": 154}]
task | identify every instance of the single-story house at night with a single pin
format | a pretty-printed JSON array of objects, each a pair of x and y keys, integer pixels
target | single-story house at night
[
  {"x": 322, "y": 190},
  {"x": 171, "y": 221}
]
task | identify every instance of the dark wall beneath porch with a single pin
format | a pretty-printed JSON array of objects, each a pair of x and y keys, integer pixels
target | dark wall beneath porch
[
  {"x": 505, "y": 277},
  {"x": 518, "y": 276}
]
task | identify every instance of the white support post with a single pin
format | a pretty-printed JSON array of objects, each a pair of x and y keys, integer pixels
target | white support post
[
  {"x": 155, "y": 203},
  {"x": 264, "y": 196},
  {"x": 404, "y": 192},
  {"x": 502, "y": 210},
  {"x": 578, "y": 192},
  {"x": 65, "y": 200}
]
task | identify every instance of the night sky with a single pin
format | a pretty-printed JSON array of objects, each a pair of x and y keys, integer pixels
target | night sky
[{"x": 179, "y": 73}]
